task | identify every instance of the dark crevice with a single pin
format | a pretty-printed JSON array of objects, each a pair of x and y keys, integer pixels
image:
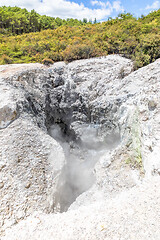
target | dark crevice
[{"x": 85, "y": 133}]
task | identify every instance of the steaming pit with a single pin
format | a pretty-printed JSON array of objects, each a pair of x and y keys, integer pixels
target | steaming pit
[
  {"x": 85, "y": 124},
  {"x": 81, "y": 155}
]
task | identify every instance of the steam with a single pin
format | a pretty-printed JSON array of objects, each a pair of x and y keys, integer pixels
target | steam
[{"x": 78, "y": 174}]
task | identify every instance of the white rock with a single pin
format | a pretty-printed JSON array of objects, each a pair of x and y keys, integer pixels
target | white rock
[{"x": 94, "y": 105}]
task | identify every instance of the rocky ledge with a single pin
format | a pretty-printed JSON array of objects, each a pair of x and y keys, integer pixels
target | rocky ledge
[{"x": 73, "y": 136}]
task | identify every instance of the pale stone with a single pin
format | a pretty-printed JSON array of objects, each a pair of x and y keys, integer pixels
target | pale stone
[{"x": 105, "y": 117}]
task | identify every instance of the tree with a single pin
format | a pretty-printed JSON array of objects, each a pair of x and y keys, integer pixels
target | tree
[
  {"x": 95, "y": 21},
  {"x": 85, "y": 20}
]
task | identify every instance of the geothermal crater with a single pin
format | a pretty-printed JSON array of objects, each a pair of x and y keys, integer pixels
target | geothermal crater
[
  {"x": 75, "y": 134},
  {"x": 71, "y": 104}
]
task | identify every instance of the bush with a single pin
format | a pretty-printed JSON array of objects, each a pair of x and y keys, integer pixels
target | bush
[
  {"x": 5, "y": 59},
  {"x": 140, "y": 59},
  {"x": 47, "y": 61},
  {"x": 55, "y": 56},
  {"x": 77, "y": 51}
]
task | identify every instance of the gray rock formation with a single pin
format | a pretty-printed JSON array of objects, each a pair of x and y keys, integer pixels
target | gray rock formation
[{"x": 74, "y": 134}]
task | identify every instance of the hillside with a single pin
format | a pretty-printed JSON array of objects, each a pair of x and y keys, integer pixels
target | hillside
[{"x": 137, "y": 39}]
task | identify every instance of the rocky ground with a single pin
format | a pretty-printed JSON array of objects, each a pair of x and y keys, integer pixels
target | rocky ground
[
  {"x": 80, "y": 150},
  {"x": 133, "y": 214}
]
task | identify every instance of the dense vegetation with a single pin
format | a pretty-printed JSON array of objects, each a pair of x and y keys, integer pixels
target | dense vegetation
[
  {"x": 14, "y": 20},
  {"x": 138, "y": 39}
]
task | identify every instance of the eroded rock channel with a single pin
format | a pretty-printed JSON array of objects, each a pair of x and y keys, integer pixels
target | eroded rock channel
[{"x": 84, "y": 131}]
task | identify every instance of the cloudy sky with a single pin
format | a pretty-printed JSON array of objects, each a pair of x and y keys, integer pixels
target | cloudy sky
[{"x": 90, "y": 9}]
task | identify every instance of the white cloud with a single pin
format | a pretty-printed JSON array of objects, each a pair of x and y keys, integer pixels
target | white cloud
[
  {"x": 66, "y": 9},
  {"x": 101, "y": 4},
  {"x": 155, "y": 5},
  {"x": 117, "y": 6}
]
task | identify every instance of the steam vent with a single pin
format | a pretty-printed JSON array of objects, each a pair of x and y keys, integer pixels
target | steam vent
[{"x": 80, "y": 150}]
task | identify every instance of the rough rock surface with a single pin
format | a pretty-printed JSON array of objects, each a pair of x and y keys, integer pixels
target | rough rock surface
[
  {"x": 30, "y": 160},
  {"x": 106, "y": 117},
  {"x": 131, "y": 215}
]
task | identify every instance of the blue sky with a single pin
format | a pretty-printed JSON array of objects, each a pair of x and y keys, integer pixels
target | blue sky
[{"x": 99, "y": 9}]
